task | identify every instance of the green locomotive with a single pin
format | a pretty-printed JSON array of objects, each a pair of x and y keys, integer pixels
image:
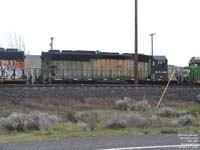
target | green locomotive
[
  {"x": 100, "y": 67},
  {"x": 194, "y": 67}
]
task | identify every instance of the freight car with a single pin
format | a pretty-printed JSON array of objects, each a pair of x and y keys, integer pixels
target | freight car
[
  {"x": 100, "y": 67},
  {"x": 11, "y": 66}
]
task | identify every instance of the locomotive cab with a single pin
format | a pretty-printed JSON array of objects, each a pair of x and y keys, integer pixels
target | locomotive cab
[{"x": 159, "y": 69}]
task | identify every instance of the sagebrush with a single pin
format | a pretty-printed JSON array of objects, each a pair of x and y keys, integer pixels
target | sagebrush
[
  {"x": 140, "y": 106},
  {"x": 123, "y": 104},
  {"x": 166, "y": 112},
  {"x": 89, "y": 118},
  {"x": 130, "y": 119},
  {"x": 33, "y": 121}
]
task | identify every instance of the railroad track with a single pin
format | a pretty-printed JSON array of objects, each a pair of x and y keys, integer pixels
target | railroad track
[{"x": 96, "y": 85}]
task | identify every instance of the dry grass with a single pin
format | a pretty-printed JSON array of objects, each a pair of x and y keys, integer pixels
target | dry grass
[{"x": 62, "y": 105}]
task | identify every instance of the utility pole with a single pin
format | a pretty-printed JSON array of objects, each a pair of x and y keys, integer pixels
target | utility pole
[
  {"x": 151, "y": 35},
  {"x": 51, "y": 44},
  {"x": 136, "y": 44}
]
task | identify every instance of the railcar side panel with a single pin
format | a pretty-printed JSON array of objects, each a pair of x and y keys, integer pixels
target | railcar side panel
[
  {"x": 72, "y": 70},
  {"x": 11, "y": 69},
  {"x": 143, "y": 70}
]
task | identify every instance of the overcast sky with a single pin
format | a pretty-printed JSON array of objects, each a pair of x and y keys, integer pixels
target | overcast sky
[{"x": 105, "y": 25}]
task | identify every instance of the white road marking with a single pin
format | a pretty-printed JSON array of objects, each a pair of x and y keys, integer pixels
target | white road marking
[{"x": 153, "y": 147}]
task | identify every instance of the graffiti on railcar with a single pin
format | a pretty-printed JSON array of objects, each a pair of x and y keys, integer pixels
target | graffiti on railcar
[{"x": 11, "y": 69}]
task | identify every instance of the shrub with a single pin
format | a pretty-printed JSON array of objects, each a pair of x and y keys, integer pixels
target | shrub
[
  {"x": 84, "y": 126},
  {"x": 118, "y": 121},
  {"x": 183, "y": 121},
  {"x": 70, "y": 116},
  {"x": 141, "y": 106},
  {"x": 127, "y": 120},
  {"x": 174, "y": 123},
  {"x": 166, "y": 112},
  {"x": 90, "y": 118},
  {"x": 180, "y": 113},
  {"x": 136, "y": 120},
  {"x": 47, "y": 122},
  {"x": 33, "y": 121},
  {"x": 123, "y": 103},
  {"x": 155, "y": 120},
  {"x": 198, "y": 98},
  {"x": 72, "y": 127},
  {"x": 15, "y": 121},
  {"x": 2, "y": 128}
]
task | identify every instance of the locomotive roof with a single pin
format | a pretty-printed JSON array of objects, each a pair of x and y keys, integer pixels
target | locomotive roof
[
  {"x": 87, "y": 55},
  {"x": 160, "y": 58},
  {"x": 194, "y": 61},
  {"x": 11, "y": 54}
]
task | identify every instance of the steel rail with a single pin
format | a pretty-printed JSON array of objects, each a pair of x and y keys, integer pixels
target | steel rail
[{"x": 96, "y": 85}]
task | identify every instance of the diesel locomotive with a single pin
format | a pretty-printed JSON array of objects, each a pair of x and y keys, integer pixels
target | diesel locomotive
[{"x": 100, "y": 67}]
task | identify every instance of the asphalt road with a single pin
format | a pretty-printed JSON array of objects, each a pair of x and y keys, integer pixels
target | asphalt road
[{"x": 141, "y": 142}]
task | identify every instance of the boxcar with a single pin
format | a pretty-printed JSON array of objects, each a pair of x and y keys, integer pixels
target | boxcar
[{"x": 11, "y": 66}]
